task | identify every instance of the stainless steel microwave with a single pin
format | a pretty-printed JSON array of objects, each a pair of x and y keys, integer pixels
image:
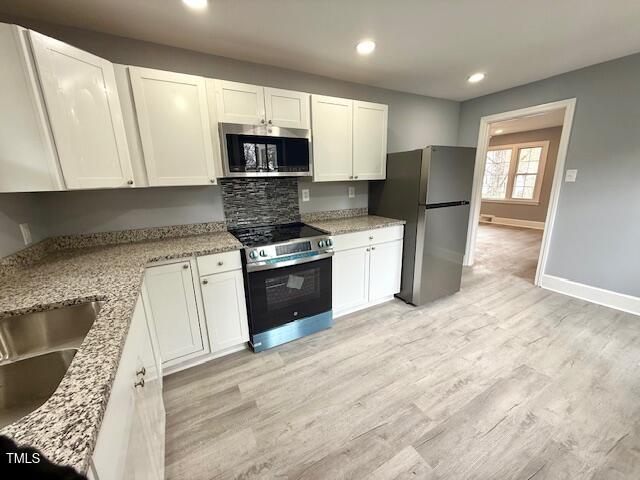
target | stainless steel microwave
[{"x": 265, "y": 151}]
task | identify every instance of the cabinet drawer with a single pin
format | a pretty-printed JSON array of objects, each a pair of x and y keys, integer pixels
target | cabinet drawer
[
  {"x": 388, "y": 234},
  {"x": 219, "y": 262},
  {"x": 347, "y": 241}
]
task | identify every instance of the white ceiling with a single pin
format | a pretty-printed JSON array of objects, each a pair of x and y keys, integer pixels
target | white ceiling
[
  {"x": 537, "y": 121},
  {"x": 424, "y": 46}
]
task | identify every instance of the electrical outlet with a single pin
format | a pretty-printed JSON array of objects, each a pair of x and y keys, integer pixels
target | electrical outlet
[
  {"x": 571, "y": 175},
  {"x": 305, "y": 194},
  {"x": 26, "y": 233},
  {"x": 352, "y": 192}
]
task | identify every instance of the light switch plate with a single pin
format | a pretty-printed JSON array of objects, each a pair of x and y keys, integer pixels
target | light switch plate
[
  {"x": 26, "y": 233},
  {"x": 305, "y": 194},
  {"x": 571, "y": 175},
  {"x": 352, "y": 192}
]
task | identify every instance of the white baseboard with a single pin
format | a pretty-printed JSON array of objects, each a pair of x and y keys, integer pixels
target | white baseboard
[
  {"x": 207, "y": 357},
  {"x": 618, "y": 301},
  {"x": 512, "y": 222},
  {"x": 342, "y": 313}
]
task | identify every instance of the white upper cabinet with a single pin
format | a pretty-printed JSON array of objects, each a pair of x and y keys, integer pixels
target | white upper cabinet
[
  {"x": 286, "y": 108},
  {"x": 332, "y": 130},
  {"x": 173, "y": 121},
  {"x": 253, "y": 105},
  {"x": 82, "y": 101},
  {"x": 240, "y": 103},
  {"x": 349, "y": 139},
  {"x": 28, "y": 157},
  {"x": 369, "y": 140}
]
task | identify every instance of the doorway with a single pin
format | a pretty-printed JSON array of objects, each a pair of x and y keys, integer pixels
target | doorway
[{"x": 518, "y": 174}]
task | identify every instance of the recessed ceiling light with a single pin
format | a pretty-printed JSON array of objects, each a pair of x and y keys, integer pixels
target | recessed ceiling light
[
  {"x": 498, "y": 131},
  {"x": 365, "y": 47},
  {"x": 476, "y": 77},
  {"x": 196, "y": 4}
]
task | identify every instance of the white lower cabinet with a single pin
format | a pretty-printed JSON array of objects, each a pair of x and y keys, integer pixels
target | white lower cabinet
[
  {"x": 350, "y": 279},
  {"x": 171, "y": 295},
  {"x": 225, "y": 309},
  {"x": 198, "y": 308},
  {"x": 366, "y": 272},
  {"x": 385, "y": 267},
  {"x": 130, "y": 443}
]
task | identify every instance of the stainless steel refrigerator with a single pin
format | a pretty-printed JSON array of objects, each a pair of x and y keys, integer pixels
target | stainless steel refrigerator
[{"x": 430, "y": 189}]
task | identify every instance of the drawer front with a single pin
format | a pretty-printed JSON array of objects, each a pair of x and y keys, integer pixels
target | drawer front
[
  {"x": 388, "y": 234},
  {"x": 219, "y": 262},
  {"x": 347, "y": 241}
]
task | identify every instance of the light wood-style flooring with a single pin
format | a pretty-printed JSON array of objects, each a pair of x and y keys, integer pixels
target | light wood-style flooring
[{"x": 500, "y": 381}]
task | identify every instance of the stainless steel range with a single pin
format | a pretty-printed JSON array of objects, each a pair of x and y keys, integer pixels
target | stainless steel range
[{"x": 287, "y": 270}]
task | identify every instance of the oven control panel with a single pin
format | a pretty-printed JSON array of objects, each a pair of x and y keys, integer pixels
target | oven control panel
[{"x": 304, "y": 247}]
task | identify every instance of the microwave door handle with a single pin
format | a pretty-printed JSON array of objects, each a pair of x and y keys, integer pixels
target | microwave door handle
[{"x": 261, "y": 157}]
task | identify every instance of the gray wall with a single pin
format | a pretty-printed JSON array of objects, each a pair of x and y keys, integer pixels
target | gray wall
[
  {"x": 597, "y": 232},
  {"x": 17, "y": 208},
  {"x": 519, "y": 211},
  {"x": 414, "y": 121},
  {"x": 106, "y": 210}
]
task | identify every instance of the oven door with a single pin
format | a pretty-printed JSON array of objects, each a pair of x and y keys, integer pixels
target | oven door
[{"x": 282, "y": 295}]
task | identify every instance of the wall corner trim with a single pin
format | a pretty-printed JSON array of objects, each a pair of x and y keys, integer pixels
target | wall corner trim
[{"x": 607, "y": 298}]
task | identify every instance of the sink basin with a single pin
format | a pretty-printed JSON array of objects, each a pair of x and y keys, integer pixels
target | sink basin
[
  {"x": 40, "y": 332},
  {"x": 26, "y": 384}
]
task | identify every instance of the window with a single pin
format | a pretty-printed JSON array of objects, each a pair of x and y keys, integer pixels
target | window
[{"x": 513, "y": 173}]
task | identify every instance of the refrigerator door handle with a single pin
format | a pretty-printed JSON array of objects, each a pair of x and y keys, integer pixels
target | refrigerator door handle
[{"x": 446, "y": 204}]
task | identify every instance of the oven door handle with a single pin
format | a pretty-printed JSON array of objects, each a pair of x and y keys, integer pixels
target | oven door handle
[{"x": 256, "y": 267}]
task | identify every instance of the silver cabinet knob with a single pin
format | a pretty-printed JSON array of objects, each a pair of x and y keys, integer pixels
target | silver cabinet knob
[
  {"x": 185, "y": 266},
  {"x": 368, "y": 249},
  {"x": 130, "y": 182},
  {"x": 139, "y": 383},
  {"x": 142, "y": 371},
  {"x": 356, "y": 177},
  {"x": 270, "y": 122},
  {"x": 370, "y": 238},
  {"x": 350, "y": 177},
  {"x": 205, "y": 281},
  {"x": 373, "y": 248},
  {"x": 220, "y": 264},
  {"x": 262, "y": 120},
  {"x": 212, "y": 180}
]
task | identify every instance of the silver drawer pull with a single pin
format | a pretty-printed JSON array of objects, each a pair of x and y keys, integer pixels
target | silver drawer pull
[
  {"x": 220, "y": 264},
  {"x": 139, "y": 383},
  {"x": 141, "y": 372},
  {"x": 185, "y": 266},
  {"x": 205, "y": 281}
]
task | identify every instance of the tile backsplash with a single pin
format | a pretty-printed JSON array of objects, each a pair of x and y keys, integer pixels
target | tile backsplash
[{"x": 250, "y": 202}]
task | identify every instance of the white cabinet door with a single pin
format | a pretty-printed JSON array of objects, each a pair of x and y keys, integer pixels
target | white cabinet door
[
  {"x": 369, "y": 141},
  {"x": 286, "y": 108},
  {"x": 385, "y": 269},
  {"x": 145, "y": 455},
  {"x": 350, "y": 282},
  {"x": 332, "y": 127},
  {"x": 240, "y": 103},
  {"x": 110, "y": 457},
  {"x": 28, "y": 157},
  {"x": 225, "y": 309},
  {"x": 173, "y": 119},
  {"x": 172, "y": 301},
  {"x": 84, "y": 110}
]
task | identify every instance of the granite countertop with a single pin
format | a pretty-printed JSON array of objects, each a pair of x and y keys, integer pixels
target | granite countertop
[
  {"x": 337, "y": 226},
  {"x": 66, "y": 427}
]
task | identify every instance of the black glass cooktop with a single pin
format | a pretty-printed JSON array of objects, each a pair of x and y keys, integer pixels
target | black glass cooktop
[{"x": 258, "y": 236}]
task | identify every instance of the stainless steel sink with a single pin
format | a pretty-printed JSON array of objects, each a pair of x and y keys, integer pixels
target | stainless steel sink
[
  {"x": 26, "y": 384},
  {"x": 36, "y": 350},
  {"x": 35, "y": 333}
]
